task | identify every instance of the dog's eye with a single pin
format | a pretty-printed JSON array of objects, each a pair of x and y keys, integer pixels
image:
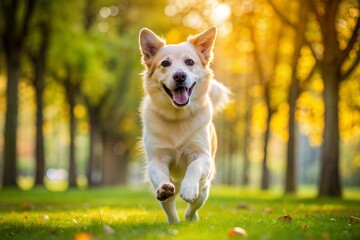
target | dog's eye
[
  {"x": 189, "y": 62},
  {"x": 165, "y": 63}
]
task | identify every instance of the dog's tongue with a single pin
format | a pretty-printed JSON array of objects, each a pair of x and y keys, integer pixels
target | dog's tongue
[{"x": 181, "y": 96}]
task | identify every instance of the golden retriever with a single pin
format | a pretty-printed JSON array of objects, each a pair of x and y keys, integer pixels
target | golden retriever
[{"x": 179, "y": 138}]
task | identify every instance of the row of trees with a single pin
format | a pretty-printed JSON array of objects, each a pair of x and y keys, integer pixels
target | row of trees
[
  {"x": 324, "y": 33},
  {"x": 86, "y": 47},
  {"x": 289, "y": 66}
]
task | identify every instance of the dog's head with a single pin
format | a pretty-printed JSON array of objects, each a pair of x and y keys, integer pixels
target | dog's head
[{"x": 177, "y": 72}]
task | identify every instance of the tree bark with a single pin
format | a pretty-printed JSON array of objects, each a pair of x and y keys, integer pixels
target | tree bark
[
  {"x": 70, "y": 92},
  {"x": 333, "y": 58},
  {"x": 95, "y": 140},
  {"x": 265, "y": 176},
  {"x": 246, "y": 165},
  {"x": 10, "y": 134},
  {"x": 290, "y": 174},
  {"x": 39, "y": 66},
  {"x": 330, "y": 176},
  {"x": 13, "y": 34}
]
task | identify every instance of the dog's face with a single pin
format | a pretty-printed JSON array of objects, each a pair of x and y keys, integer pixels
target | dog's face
[{"x": 177, "y": 73}]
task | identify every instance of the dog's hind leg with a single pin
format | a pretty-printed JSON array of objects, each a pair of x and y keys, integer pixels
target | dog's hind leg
[
  {"x": 170, "y": 209},
  {"x": 191, "y": 212}
]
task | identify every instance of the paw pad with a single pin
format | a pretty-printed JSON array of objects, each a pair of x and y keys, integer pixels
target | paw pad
[{"x": 165, "y": 191}]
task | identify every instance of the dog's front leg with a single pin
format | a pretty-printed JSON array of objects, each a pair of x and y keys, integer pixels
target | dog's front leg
[
  {"x": 159, "y": 175},
  {"x": 165, "y": 190},
  {"x": 198, "y": 170}
]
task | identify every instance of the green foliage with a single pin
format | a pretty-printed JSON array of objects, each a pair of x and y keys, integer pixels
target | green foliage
[{"x": 135, "y": 214}]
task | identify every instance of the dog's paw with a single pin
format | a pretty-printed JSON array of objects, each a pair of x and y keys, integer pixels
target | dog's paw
[
  {"x": 165, "y": 191},
  {"x": 189, "y": 192}
]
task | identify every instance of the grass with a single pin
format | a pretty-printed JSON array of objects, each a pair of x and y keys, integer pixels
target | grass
[{"x": 124, "y": 213}]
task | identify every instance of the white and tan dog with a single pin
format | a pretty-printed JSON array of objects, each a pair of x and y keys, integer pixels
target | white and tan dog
[{"x": 179, "y": 138}]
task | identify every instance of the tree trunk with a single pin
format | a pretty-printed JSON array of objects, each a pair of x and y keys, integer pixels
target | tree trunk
[
  {"x": 246, "y": 165},
  {"x": 95, "y": 140},
  {"x": 13, "y": 75},
  {"x": 70, "y": 89},
  {"x": 290, "y": 174},
  {"x": 115, "y": 161},
  {"x": 265, "y": 176},
  {"x": 330, "y": 177},
  {"x": 39, "y": 65},
  {"x": 330, "y": 185},
  {"x": 13, "y": 32},
  {"x": 39, "y": 149}
]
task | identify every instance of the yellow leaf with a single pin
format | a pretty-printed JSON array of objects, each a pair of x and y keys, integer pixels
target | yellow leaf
[
  {"x": 237, "y": 232},
  {"x": 354, "y": 219},
  {"x": 83, "y": 236},
  {"x": 286, "y": 218}
]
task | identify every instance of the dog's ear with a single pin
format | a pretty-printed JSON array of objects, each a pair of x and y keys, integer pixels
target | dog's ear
[
  {"x": 150, "y": 44},
  {"x": 204, "y": 43}
]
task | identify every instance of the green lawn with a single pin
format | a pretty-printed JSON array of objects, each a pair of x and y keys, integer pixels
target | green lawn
[{"x": 123, "y": 213}]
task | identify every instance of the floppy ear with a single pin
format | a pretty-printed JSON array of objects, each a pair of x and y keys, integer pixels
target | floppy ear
[
  {"x": 150, "y": 44},
  {"x": 204, "y": 43}
]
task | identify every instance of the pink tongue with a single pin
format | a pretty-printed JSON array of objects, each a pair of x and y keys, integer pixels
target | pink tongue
[{"x": 181, "y": 96}]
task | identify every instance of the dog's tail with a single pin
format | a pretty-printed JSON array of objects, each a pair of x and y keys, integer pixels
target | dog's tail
[{"x": 219, "y": 95}]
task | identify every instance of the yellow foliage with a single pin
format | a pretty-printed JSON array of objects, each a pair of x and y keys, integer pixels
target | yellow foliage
[
  {"x": 230, "y": 112},
  {"x": 305, "y": 64},
  {"x": 258, "y": 120},
  {"x": 83, "y": 127},
  {"x": 283, "y": 73},
  {"x": 79, "y": 111},
  {"x": 357, "y": 161},
  {"x": 257, "y": 91},
  {"x": 279, "y": 122},
  {"x": 173, "y": 36},
  {"x": 286, "y": 47},
  {"x": 317, "y": 85},
  {"x": 349, "y": 121},
  {"x": 128, "y": 125}
]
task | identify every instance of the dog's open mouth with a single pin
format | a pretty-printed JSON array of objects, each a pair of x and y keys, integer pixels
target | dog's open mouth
[{"x": 181, "y": 95}]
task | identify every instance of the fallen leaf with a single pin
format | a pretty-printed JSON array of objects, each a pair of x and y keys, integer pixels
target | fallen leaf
[
  {"x": 243, "y": 206},
  {"x": 83, "y": 236},
  {"x": 286, "y": 218},
  {"x": 354, "y": 219},
  {"x": 304, "y": 227},
  {"x": 108, "y": 230},
  {"x": 27, "y": 207},
  {"x": 237, "y": 232}
]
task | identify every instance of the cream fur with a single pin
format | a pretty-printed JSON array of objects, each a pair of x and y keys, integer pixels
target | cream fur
[{"x": 179, "y": 142}]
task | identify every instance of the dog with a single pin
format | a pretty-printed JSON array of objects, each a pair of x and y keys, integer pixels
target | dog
[{"x": 179, "y": 139}]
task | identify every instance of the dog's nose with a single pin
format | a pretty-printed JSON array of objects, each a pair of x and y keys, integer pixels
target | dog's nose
[{"x": 179, "y": 76}]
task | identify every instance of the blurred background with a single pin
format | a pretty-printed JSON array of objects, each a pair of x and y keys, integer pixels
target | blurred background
[{"x": 70, "y": 88}]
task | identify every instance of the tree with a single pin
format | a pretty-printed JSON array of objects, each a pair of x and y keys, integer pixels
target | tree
[
  {"x": 299, "y": 40},
  {"x": 38, "y": 59},
  {"x": 71, "y": 85},
  {"x": 331, "y": 63},
  {"x": 265, "y": 76},
  {"x": 13, "y": 35}
]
